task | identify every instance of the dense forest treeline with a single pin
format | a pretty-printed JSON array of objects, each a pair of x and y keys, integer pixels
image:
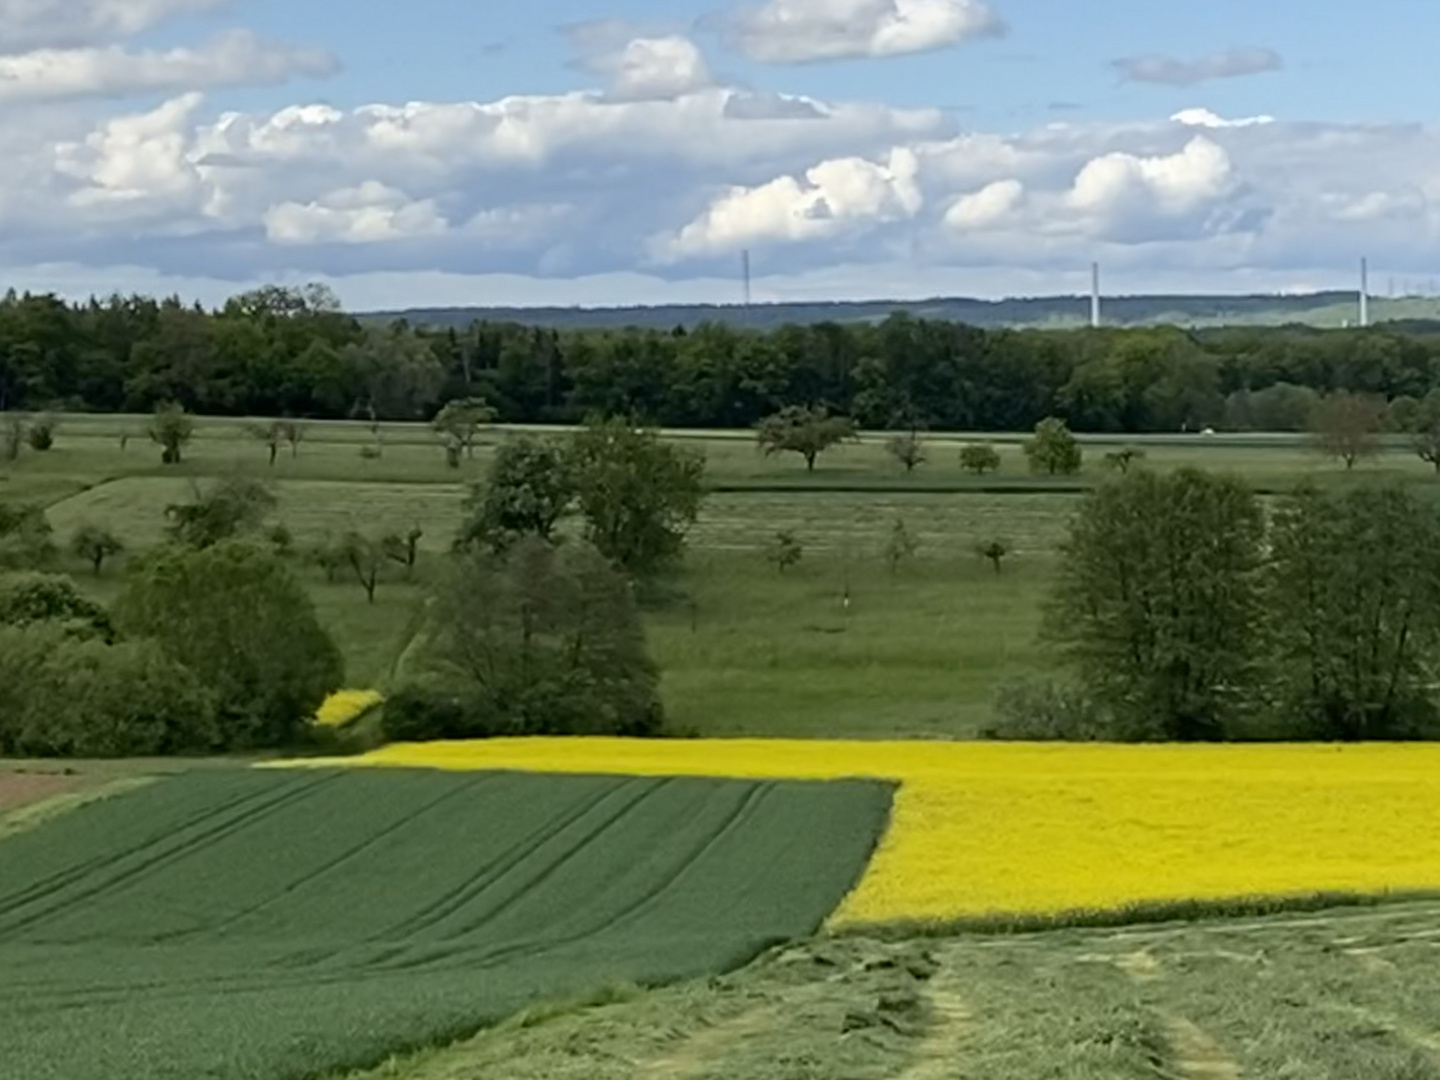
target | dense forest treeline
[{"x": 285, "y": 352}]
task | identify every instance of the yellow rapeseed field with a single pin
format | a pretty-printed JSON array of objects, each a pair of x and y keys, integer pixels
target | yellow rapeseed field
[
  {"x": 346, "y": 706},
  {"x": 982, "y": 828}
]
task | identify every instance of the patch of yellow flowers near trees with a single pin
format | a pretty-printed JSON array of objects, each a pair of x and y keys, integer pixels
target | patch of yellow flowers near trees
[
  {"x": 344, "y": 707},
  {"x": 987, "y": 828}
]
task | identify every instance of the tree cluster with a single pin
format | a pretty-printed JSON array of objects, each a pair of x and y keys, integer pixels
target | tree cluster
[
  {"x": 292, "y": 352},
  {"x": 1187, "y": 613}
]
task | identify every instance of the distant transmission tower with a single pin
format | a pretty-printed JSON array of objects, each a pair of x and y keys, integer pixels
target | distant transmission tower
[
  {"x": 1364, "y": 293},
  {"x": 745, "y": 275},
  {"x": 1095, "y": 296}
]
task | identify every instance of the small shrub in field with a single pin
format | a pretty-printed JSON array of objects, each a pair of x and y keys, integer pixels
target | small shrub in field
[
  {"x": 41, "y": 435},
  {"x": 419, "y": 713},
  {"x": 784, "y": 551},
  {"x": 993, "y": 551},
  {"x": 1031, "y": 710}
]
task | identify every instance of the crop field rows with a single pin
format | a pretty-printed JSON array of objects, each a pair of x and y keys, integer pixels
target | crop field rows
[{"x": 263, "y": 924}]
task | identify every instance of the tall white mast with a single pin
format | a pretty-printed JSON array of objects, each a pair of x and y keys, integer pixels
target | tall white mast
[
  {"x": 1095, "y": 295},
  {"x": 1364, "y": 293}
]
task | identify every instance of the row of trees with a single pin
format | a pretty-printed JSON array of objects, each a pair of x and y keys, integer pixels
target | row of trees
[
  {"x": 288, "y": 352},
  {"x": 1188, "y": 613}
]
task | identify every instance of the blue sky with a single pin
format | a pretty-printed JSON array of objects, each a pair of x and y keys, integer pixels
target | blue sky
[{"x": 448, "y": 151}]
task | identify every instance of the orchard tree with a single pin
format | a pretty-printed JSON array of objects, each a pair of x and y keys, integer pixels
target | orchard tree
[
  {"x": 979, "y": 459},
  {"x": 460, "y": 422},
  {"x": 25, "y": 537},
  {"x": 171, "y": 428},
  {"x": 1160, "y": 603},
  {"x": 1347, "y": 426},
  {"x": 808, "y": 432},
  {"x": 993, "y": 551},
  {"x": 530, "y": 487},
  {"x": 366, "y": 557},
  {"x": 1424, "y": 429},
  {"x": 1121, "y": 460},
  {"x": 1053, "y": 450},
  {"x": 908, "y": 450},
  {"x": 784, "y": 550},
  {"x": 277, "y": 433},
  {"x": 223, "y": 511},
  {"x": 404, "y": 550},
  {"x": 638, "y": 495},
  {"x": 95, "y": 545},
  {"x": 901, "y": 545}
]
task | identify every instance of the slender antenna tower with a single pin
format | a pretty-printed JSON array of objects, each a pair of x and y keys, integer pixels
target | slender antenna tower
[
  {"x": 1095, "y": 295},
  {"x": 1364, "y": 293},
  {"x": 745, "y": 272}
]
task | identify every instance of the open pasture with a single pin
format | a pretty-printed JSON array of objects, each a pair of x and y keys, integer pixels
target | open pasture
[
  {"x": 982, "y": 831},
  {"x": 271, "y": 924}
]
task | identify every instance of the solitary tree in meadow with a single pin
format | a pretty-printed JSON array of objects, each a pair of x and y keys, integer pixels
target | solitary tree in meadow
[
  {"x": 224, "y": 510},
  {"x": 908, "y": 450},
  {"x": 1347, "y": 426},
  {"x": 1424, "y": 429},
  {"x": 1053, "y": 450},
  {"x": 459, "y": 422},
  {"x": 529, "y": 488},
  {"x": 95, "y": 545},
  {"x": 1121, "y": 460},
  {"x": 900, "y": 546},
  {"x": 808, "y": 432},
  {"x": 784, "y": 550},
  {"x": 171, "y": 429},
  {"x": 979, "y": 459},
  {"x": 994, "y": 551}
]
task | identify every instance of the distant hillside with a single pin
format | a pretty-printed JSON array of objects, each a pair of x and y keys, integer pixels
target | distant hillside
[{"x": 1325, "y": 309}]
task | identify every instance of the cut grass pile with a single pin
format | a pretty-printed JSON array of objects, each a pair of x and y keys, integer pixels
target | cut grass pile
[
  {"x": 981, "y": 830},
  {"x": 1340, "y": 995},
  {"x": 260, "y": 925}
]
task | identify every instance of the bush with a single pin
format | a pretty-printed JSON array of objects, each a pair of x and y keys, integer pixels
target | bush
[
  {"x": 65, "y": 697},
  {"x": 29, "y": 598},
  {"x": 1042, "y": 711},
  {"x": 41, "y": 435},
  {"x": 419, "y": 713},
  {"x": 236, "y": 616},
  {"x": 539, "y": 641},
  {"x": 25, "y": 537}
]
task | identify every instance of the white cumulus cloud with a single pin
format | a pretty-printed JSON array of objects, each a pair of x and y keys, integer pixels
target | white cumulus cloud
[
  {"x": 992, "y": 205},
  {"x": 799, "y": 31},
  {"x": 234, "y": 59},
  {"x": 831, "y": 197},
  {"x": 649, "y": 68},
  {"x": 369, "y": 213},
  {"x": 1173, "y": 184}
]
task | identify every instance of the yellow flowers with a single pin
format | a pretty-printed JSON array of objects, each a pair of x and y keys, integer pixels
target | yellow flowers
[
  {"x": 344, "y": 707},
  {"x": 981, "y": 828}
]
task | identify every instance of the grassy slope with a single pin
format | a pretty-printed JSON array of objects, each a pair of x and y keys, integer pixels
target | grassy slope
[
  {"x": 743, "y": 649},
  {"x": 1327, "y": 996}
]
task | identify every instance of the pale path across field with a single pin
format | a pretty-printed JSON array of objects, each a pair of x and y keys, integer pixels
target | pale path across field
[{"x": 982, "y": 828}]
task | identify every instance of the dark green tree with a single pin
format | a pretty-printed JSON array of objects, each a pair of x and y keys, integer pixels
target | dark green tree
[
  {"x": 171, "y": 429},
  {"x": 223, "y": 511},
  {"x": 95, "y": 545},
  {"x": 908, "y": 450},
  {"x": 460, "y": 421},
  {"x": 784, "y": 550},
  {"x": 979, "y": 459},
  {"x": 30, "y": 598},
  {"x": 236, "y": 616},
  {"x": 543, "y": 640},
  {"x": 637, "y": 494},
  {"x": 1355, "y": 599},
  {"x": 530, "y": 487},
  {"x": 1053, "y": 450},
  {"x": 1160, "y": 604},
  {"x": 25, "y": 537}
]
